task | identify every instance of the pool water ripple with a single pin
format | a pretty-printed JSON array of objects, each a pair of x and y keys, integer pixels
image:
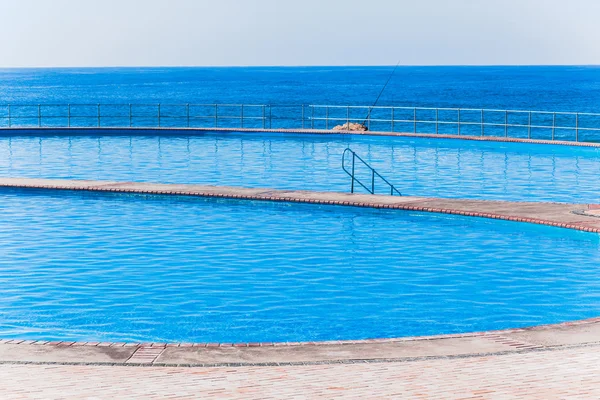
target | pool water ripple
[
  {"x": 417, "y": 166},
  {"x": 117, "y": 267}
]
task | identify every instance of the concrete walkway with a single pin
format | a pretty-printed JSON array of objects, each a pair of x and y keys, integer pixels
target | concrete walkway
[
  {"x": 573, "y": 216},
  {"x": 570, "y": 373},
  {"x": 496, "y": 343}
]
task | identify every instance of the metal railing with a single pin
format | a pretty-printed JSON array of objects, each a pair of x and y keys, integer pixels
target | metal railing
[
  {"x": 548, "y": 125},
  {"x": 137, "y": 115},
  {"x": 529, "y": 124},
  {"x": 373, "y": 174}
]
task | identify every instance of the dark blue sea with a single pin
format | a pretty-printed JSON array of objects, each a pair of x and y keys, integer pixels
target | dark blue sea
[{"x": 548, "y": 88}]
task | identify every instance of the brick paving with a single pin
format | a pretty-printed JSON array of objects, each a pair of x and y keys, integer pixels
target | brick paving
[{"x": 568, "y": 373}]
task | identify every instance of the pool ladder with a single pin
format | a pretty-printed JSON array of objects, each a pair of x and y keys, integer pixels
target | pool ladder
[{"x": 355, "y": 157}]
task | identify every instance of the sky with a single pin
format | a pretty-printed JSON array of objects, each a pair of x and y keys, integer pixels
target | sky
[{"x": 87, "y": 33}]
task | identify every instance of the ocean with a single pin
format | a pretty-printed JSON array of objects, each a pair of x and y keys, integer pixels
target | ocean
[{"x": 547, "y": 88}]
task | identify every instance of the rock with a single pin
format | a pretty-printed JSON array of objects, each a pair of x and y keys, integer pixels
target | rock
[{"x": 352, "y": 127}]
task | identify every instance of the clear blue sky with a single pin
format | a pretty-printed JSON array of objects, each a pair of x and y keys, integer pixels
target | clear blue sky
[{"x": 297, "y": 32}]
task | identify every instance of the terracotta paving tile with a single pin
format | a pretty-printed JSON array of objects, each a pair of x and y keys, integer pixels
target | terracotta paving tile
[{"x": 558, "y": 374}]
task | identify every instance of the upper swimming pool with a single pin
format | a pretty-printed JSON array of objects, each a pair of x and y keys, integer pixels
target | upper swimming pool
[
  {"x": 116, "y": 267},
  {"x": 417, "y": 166}
]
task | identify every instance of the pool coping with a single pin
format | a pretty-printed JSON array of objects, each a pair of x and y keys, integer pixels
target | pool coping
[
  {"x": 577, "y": 334},
  {"x": 538, "y": 338},
  {"x": 142, "y": 130},
  {"x": 562, "y": 215}
]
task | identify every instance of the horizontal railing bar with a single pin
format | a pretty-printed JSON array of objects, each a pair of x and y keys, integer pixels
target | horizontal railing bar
[
  {"x": 132, "y": 116},
  {"x": 581, "y": 129},
  {"x": 490, "y": 110},
  {"x": 487, "y": 124},
  {"x": 126, "y": 105},
  {"x": 558, "y": 113},
  {"x": 351, "y": 119},
  {"x": 461, "y": 109}
]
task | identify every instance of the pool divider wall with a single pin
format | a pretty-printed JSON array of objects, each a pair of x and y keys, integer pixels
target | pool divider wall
[
  {"x": 562, "y": 215},
  {"x": 116, "y": 131}
]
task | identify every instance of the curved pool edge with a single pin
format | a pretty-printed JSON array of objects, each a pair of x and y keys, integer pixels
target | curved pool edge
[
  {"x": 584, "y": 333},
  {"x": 145, "y": 130},
  {"x": 544, "y": 337}
]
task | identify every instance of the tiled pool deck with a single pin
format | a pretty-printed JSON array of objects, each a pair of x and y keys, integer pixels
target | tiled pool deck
[
  {"x": 568, "y": 373},
  {"x": 559, "y": 361}
]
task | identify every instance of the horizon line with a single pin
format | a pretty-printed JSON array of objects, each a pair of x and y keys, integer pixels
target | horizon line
[{"x": 299, "y": 66}]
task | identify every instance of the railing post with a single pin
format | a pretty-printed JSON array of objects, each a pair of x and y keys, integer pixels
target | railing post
[
  {"x": 270, "y": 116},
  {"x": 264, "y": 118},
  {"x": 312, "y": 117},
  {"x": 506, "y": 123},
  {"x": 302, "y": 116},
  {"x": 158, "y": 115},
  {"x": 482, "y": 124},
  {"x": 326, "y": 117},
  {"x": 529, "y": 127},
  {"x": 130, "y": 116},
  {"x": 216, "y": 115},
  {"x": 577, "y": 127},
  {"x": 242, "y": 116},
  {"x": 415, "y": 120},
  {"x": 372, "y": 181},
  {"x": 39, "y": 116},
  {"x": 98, "y": 115},
  {"x": 437, "y": 120},
  {"x": 393, "y": 119},
  {"x": 187, "y": 114},
  {"x": 9, "y": 117},
  {"x": 352, "y": 180},
  {"x": 553, "y": 124},
  {"x": 459, "y": 122}
]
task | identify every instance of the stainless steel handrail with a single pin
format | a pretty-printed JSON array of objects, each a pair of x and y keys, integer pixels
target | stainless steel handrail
[
  {"x": 462, "y": 121},
  {"x": 374, "y": 173}
]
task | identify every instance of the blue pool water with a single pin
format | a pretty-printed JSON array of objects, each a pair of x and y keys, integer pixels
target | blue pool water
[
  {"x": 110, "y": 267},
  {"x": 418, "y": 167}
]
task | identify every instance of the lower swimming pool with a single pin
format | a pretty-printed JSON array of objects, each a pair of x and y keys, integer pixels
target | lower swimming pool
[{"x": 116, "y": 267}]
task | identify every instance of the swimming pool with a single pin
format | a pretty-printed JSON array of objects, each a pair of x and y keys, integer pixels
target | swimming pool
[
  {"x": 417, "y": 166},
  {"x": 115, "y": 267}
]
